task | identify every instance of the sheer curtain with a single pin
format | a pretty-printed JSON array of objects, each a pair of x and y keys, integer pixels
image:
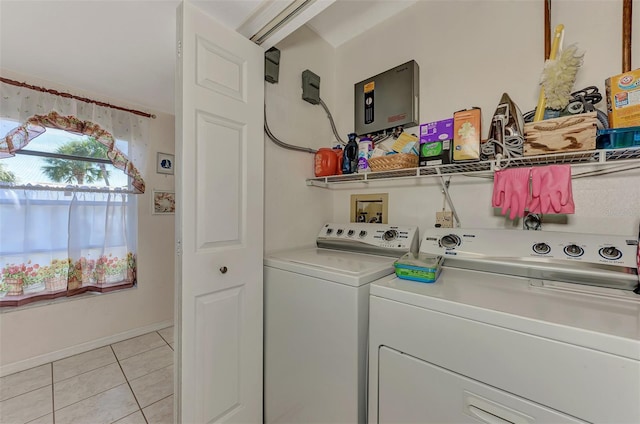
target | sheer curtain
[
  {"x": 57, "y": 244},
  {"x": 61, "y": 241}
]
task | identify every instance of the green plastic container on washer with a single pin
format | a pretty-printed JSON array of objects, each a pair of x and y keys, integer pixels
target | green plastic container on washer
[{"x": 421, "y": 267}]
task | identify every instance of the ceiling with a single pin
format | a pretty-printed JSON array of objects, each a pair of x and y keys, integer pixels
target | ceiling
[{"x": 124, "y": 49}]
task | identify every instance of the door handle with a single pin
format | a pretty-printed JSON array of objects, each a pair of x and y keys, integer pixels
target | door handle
[
  {"x": 223, "y": 269},
  {"x": 491, "y": 412},
  {"x": 487, "y": 417}
]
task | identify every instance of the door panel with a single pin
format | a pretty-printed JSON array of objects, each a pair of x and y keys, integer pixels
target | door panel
[
  {"x": 220, "y": 185},
  {"x": 218, "y": 323},
  {"x": 219, "y": 222},
  {"x": 220, "y": 70}
]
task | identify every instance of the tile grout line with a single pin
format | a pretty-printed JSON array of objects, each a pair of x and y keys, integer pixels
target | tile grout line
[
  {"x": 133, "y": 413},
  {"x": 39, "y": 388},
  {"x": 132, "y": 338},
  {"x": 27, "y": 392},
  {"x": 85, "y": 372},
  {"x": 117, "y": 360},
  {"x": 165, "y": 340},
  {"x": 139, "y": 353},
  {"x": 130, "y": 388},
  {"x": 148, "y": 372},
  {"x": 53, "y": 398},
  {"x": 158, "y": 401},
  {"x": 127, "y": 381},
  {"x": 95, "y": 394}
]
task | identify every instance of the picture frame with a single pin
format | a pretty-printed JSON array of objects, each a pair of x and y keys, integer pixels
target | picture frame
[
  {"x": 165, "y": 163},
  {"x": 163, "y": 202}
]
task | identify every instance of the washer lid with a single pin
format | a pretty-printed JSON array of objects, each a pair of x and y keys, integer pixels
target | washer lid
[
  {"x": 597, "y": 321},
  {"x": 354, "y": 269}
]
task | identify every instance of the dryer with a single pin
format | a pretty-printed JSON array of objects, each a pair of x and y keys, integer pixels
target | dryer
[
  {"x": 316, "y": 321},
  {"x": 520, "y": 327}
]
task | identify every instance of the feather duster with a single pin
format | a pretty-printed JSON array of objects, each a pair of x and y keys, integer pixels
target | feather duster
[{"x": 559, "y": 75}]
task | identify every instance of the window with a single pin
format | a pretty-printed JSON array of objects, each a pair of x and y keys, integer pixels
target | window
[
  {"x": 68, "y": 211},
  {"x": 45, "y": 160}
]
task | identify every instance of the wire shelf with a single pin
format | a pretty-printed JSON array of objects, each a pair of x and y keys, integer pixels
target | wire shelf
[{"x": 600, "y": 158}]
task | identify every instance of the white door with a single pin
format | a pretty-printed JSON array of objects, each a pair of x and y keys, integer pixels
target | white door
[{"x": 219, "y": 222}]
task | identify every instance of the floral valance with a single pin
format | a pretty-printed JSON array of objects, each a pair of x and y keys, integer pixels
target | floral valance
[{"x": 34, "y": 126}]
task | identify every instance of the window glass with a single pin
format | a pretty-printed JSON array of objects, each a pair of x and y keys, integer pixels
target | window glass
[{"x": 28, "y": 169}]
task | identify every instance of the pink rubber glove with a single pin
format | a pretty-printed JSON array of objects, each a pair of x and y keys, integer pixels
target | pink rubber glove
[
  {"x": 513, "y": 193},
  {"x": 499, "y": 181},
  {"x": 551, "y": 190}
]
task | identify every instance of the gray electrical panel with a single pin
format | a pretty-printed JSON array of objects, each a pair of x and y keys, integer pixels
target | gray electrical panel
[{"x": 388, "y": 100}]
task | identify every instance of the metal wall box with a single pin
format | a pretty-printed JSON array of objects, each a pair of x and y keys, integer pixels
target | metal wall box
[
  {"x": 388, "y": 100},
  {"x": 272, "y": 65},
  {"x": 310, "y": 87}
]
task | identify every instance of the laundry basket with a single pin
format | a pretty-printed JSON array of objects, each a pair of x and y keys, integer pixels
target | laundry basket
[{"x": 397, "y": 161}]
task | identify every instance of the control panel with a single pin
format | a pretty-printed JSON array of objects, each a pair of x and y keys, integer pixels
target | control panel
[
  {"x": 393, "y": 240},
  {"x": 515, "y": 244}
]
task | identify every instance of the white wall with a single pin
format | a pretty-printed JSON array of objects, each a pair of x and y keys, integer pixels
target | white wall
[
  {"x": 38, "y": 334},
  {"x": 469, "y": 53},
  {"x": 294, "y": 211}
]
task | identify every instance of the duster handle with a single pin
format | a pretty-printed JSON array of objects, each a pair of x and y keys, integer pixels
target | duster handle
[{"x": 554, "y": 51}]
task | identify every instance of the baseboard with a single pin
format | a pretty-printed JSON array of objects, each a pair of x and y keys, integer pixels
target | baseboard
[{"x": 83, "y": 347}]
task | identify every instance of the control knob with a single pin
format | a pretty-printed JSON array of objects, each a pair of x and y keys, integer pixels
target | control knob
[
  {"x": 450, "y": 241},
  {"x": 390, "y": 235},
  {"x": 362, "y": 234},
  {"x": 339, "y": 232},
  {"x": 350, "y": 233},
  {"x": 610, "y": 252},
  {"x": 329, "y": 231},
  {"x": 573, "y": 250},
  {"x": 541, "y": 248}
]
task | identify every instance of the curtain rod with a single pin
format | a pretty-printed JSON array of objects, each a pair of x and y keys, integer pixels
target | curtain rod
[{"x": 71, "y": 96}]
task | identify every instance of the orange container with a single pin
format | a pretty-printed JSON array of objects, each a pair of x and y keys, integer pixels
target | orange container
[{"x": 326, "y": 162}]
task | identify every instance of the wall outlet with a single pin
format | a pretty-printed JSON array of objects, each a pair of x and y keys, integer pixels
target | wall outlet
[{"x": 444, "y": 219}]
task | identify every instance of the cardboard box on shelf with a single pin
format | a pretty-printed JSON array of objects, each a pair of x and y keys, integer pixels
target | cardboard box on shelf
[
  {"x": 435, "y": 142},
  {"x": 466, "y": 135},
  {"x": 623, "y": 99}
]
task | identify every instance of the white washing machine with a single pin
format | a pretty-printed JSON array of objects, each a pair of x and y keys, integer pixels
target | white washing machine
[
  {"x": 316, "y": 321},
  {"x": 520, "y": 327}
]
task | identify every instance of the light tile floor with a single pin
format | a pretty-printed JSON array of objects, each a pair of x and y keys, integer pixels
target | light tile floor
[{"x": 130, "y": 382}]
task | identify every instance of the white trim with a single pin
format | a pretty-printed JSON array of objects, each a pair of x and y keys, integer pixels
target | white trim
[
  {"x": 271, "y": 13},
  {"x": 80, "y": 348},
  {"x": 296, "y": 22},
  {"x": 262, "y": 15}
]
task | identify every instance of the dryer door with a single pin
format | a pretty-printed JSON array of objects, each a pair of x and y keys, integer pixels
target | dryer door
[{"x": 414, "y": 391}]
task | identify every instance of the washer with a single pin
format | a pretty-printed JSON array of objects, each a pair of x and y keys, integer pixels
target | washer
[
  {"x": 520, "y": 327},
  {"x": 316, "y": 321}
]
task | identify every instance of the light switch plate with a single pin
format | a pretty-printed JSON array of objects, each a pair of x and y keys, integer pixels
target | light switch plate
[{"x": 370, "y": 208}]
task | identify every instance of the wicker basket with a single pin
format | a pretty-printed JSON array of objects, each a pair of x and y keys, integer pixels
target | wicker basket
[{"x": 397, "y": 161}]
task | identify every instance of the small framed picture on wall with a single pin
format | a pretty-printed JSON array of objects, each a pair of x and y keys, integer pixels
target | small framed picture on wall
[
  {"x": 164, "y": 202},
  {"x": 165, "y": 163}
]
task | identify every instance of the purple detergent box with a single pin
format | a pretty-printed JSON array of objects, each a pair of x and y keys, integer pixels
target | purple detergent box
[
  {"x": 436, "y": 131},
  {"x": 435, "y": 142}
]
